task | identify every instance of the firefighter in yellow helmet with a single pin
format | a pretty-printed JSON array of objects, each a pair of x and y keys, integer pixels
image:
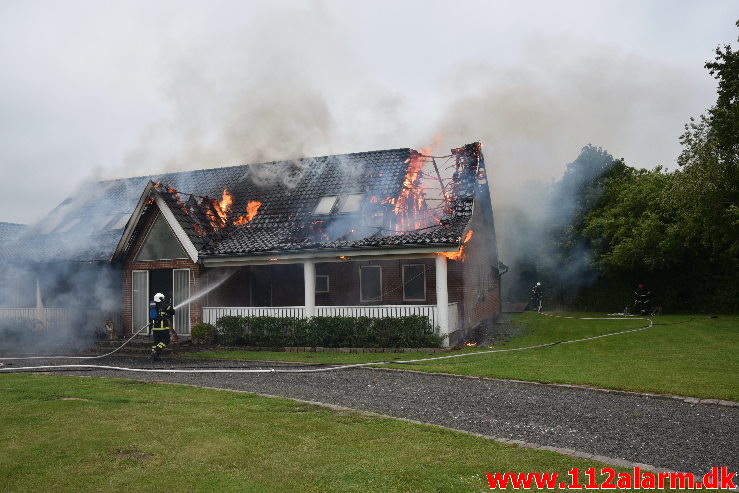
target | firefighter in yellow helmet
[{"x": 160, "y": 313}]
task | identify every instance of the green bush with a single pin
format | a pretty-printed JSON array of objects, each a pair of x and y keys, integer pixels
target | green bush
[
  {"x": 231, "y": 331},
  {"x": 203, "y": 333},
  {"x": 410, "y": 331}
]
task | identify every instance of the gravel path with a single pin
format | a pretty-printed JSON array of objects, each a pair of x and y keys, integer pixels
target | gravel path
[{"x": 667, "y": 433}]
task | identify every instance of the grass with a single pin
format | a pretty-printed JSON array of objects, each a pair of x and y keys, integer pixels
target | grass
[
  {"x": 688, "y": 355},
  {"x": 87, "y": 434}
]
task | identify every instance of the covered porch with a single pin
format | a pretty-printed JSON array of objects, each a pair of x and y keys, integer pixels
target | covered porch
[{"x": 359, "y": 286}]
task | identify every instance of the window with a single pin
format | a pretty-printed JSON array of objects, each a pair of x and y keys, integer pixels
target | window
[
  {"x": 122, "y": 221},
  {"x": 325, "y": 205},
  {"x": 370, "y": 283},
  {"x": 160, "y": 243},
  {"x": 351, "y": 203},
  {"x": 414, "y": 282},
  {"x": 51, "y": 223},
  {"x": 68, "y": 225},
  {"x": 321, "y": 284}
]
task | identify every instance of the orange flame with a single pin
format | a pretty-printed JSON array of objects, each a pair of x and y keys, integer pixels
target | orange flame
[
  {"x": 411, "y": 197},
  {"x": 460, "y": 255},
  {"x": 227, "y": 201},
  {"x": 411, "y": 200},
  {"x": 218, "y": 216},
  {"x": 251, "y": 210}
]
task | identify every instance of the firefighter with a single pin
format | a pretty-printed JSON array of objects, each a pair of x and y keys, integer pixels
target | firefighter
[
  {"x": 536, "y": 295},
  {"x": 160, "y": 313},
  {"x": 642, "y": 299}
]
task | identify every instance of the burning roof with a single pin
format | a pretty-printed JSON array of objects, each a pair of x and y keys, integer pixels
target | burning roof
[{"x": 393, "y": 198}]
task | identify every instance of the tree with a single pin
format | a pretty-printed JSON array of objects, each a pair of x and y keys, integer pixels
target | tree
[{"x": 707, "y": 191}]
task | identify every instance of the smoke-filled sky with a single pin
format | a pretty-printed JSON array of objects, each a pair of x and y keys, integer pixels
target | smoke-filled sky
[{"x": 102, "y": 89}]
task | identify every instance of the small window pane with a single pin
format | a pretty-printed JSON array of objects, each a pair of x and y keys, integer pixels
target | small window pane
[
  {"x": 352, "y": 202},
  {"x": 414, "y": 282},
  {"x": 121, "y": 222},
  {"x": 51, "y": 224},
  {"x": 321, "y": 284},
  {"x": 68, "y": 225},
  {"x": 371, "y": 283},
  {"x": 326, "y": 205}
]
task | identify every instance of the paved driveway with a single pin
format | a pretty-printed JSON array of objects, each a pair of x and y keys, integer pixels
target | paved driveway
[{"x": 664, "y": 432}]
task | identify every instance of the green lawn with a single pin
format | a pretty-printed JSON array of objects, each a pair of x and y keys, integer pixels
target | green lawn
[
  {"x": 62, "y": 434},
  {"x": 690, "y": 355}
]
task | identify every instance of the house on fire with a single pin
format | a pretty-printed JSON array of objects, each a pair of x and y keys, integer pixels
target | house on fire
[{"x": 382, "y": 233}]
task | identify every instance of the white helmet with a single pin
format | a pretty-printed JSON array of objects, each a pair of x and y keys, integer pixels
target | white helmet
[
  {"x": 538, "y": 284},
  {"x": 158, "y": 297}
]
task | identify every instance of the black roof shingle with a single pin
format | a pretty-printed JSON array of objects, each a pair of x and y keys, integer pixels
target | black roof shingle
[{"x": 89, "y": 225}]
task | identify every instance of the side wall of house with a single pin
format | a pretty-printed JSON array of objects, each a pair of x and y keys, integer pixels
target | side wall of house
[
  {"x": 130, "y": 265},
  {"x": 474, "y": 282},
  {"x": 481, "y": 280}
]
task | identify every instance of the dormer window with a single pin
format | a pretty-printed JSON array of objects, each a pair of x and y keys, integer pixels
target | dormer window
[
  {"x": 326, "y": 205},
  {"x": 351, "y": 203}
]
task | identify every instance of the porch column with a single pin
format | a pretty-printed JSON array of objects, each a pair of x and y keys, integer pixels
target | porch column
[
  {"x": 309, "y": 281},
  {"x": 40, "y": 312},
  {"x": 442, "y": 297}
]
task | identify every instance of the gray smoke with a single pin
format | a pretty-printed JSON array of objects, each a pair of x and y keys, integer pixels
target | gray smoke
[
  {"x": 76, "y": 298},
  {"x": 534, "y": 119}
]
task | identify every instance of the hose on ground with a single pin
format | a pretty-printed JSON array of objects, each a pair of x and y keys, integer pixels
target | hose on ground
[{"x": 329, "y": 368}]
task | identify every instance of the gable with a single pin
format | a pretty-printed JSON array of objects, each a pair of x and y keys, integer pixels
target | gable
[{"x": 161, "y": 243}]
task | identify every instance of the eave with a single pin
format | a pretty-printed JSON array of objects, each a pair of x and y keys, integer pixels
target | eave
[{"x": 267, "y": 258}]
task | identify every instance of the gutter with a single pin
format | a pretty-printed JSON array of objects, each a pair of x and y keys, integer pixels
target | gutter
[{"x": 225, "y": 260}]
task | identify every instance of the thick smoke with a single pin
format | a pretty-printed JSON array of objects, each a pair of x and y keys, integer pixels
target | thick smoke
[
  {"x": 287, "y": 86},
  {"x": 535, "y": 119},
  {"x": 56, "y": 307}
]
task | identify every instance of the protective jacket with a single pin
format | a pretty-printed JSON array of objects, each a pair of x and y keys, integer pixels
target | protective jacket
[{"x": 161, "y": 314}]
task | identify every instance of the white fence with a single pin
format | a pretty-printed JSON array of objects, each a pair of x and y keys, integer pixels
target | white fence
[
  {"x": 212, "y": 314},
  {"x": 60, "y": 318},
  {"x": 44, "y": 317}
]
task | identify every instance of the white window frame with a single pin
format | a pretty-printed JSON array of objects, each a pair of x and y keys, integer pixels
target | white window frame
[
  {"x": 361, "y": 294},
  {"x": 324, "y": 201},
  {"x": 133, "y": 299},
  {"x": 177, "y": 328},
  {"x": 354, "y": 200},
  {"x": 328, "y": 287},
  {"x": 423, "y": 266},
  {"x": 146, "y": 237}
]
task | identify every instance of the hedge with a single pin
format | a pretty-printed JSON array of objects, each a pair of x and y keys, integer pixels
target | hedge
[{"x": 410, "y": 331}]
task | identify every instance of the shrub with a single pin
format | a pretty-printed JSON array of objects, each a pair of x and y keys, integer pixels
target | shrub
[
  {"x": 230, "y": 329},
  {"x": 410, "y": 331},
  {"x": 203, "y": 333}
]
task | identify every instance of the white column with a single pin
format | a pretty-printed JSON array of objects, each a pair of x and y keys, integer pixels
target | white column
[
  {"x": 40, "y": 312},
  {"x": 442, "y": 297},
  {"x": 309, "y": 281}
]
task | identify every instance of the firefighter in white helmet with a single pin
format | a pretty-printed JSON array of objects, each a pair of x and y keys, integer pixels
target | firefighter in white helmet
[
  {"x": 160, "y": 313},
  {"x": 537, "y": 293}
]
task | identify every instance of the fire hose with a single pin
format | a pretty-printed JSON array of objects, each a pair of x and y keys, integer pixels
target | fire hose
[
  {"x": 322, "y": 369},
  {"x": 78, "y": 357}
]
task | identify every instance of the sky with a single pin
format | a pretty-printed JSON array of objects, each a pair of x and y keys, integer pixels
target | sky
[{"x": 95, "y": 90}]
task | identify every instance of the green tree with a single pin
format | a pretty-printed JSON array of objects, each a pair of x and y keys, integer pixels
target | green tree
[{"x": 707, "y": 189}]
